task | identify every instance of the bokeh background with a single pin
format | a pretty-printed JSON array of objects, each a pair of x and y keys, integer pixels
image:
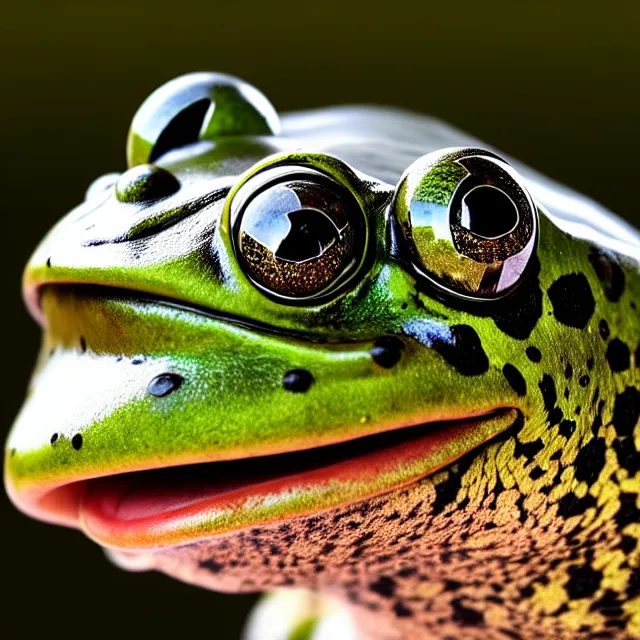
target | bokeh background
[{"x": 552, "y": 83}]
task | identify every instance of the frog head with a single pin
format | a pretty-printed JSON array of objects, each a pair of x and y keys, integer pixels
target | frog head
[{"x": 266, "y": 325}]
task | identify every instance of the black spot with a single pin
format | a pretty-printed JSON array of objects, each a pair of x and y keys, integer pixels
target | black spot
[
  {"x": 76, "y": 441},
  {"x": 628, "y": 513},
  {"x": 463, "y": 351},
  {"x": 212, "y": 566},
  {"x": 628, "y": 544},
  {"x": 583, "y": 582},
  {"x": 54, "y": 438},
  {"x": 578, "y": 410},
  {"x": 590, "y": 461},
  {"x": 13, "y": 452},
  {"x": 536, "y": 473},
  {"x": 628, "y": 456},
  {"x": 590, "y": 363},
  {"x": 384, "y": 587},
  {"x": 626, "y": 411},
  {"x": 550, "y": 398},
  {"x": 452, "y": 585},
  {"x": 570, "y": 505},
  {"x": 387, "y": 351},
  {"x": 401, "y": 610},
  {"x": 568, "y": 372},
  {"x": 534, "y": 354},
  {"x": 164, "y": 384},
  {"x": 137, "y": 361},
  {"x": 609, "y": 273},
  {"x": 465, "y": 615},
  {"x": 527, "y": 592},
  {"x": 584, "y": 381},
  {"x": 49, "y": 262},
  {"x": 572, "y": 300},
  {"x": 618, "y": 355},
  {"x": 528, "y": 449},
  {"x": 83, "y": 344},
  {"x": 515, "y": 379},
  {"x": 297, "y": 380},
  {"x": 567, "y": 427},
  {"x": 604, "y": 330}
]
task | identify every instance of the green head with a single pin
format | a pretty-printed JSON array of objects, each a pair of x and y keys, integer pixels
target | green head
[{"x": 318, "y": 314}]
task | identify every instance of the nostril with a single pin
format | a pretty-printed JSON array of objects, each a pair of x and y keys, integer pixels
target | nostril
[{"x": 144, "y": 183}]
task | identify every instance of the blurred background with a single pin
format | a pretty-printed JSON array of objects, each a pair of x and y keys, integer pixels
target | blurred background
[{"x": 554, "y": 84}]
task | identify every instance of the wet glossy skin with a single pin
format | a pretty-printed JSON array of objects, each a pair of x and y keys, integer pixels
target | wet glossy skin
[{"x": 503, "y": 497}]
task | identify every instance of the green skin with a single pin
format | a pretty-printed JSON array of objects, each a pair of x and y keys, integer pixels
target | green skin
[{"x": 180, "y": 302}]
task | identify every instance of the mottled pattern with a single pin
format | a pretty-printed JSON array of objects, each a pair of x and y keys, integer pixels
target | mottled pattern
[{"x": 536, "y": 536}]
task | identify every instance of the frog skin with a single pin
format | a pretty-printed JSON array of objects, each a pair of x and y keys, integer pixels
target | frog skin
[{"x": 349, "y": 353}]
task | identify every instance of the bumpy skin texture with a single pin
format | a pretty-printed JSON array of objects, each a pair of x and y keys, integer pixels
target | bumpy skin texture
[{"x": 534, "y": 534}]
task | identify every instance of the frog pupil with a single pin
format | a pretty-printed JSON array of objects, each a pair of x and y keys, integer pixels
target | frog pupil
[
  {"x": 312, "y": 232},
  {"x": 489, "y": 212}
]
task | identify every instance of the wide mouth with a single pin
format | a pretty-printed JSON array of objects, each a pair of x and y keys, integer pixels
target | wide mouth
[
  {"x": 220, "y": 454},
  {"x": 174, "y": 505}
]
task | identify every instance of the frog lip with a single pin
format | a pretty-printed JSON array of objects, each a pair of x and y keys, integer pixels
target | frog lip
[{"x": 168, "y": 506}]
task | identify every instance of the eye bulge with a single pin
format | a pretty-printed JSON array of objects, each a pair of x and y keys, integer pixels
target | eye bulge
[
  {"x": 196, "y": 107},
  {"x": 469, "y": 225},
  {"x": 298, "y": 234}
]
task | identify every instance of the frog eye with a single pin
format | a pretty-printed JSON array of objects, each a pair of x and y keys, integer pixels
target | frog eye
[
  {"x": 298, "y": 235},
  {"x": 468, "y": 222},
  {"x": 197, "y": 106}
]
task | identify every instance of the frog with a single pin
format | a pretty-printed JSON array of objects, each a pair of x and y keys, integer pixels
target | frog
[{"x": 351, "y": 358}]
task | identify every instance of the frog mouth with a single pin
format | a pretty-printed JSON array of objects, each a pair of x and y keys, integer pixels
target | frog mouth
[
  {"x": 169, "y": 506},
  {"x": 123, "y": 493}
]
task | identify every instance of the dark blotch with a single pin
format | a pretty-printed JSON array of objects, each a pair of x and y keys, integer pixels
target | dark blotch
[
  {"x": 567, "y": 428},
  {"x": 568, "y": 372},
  {"x": 465, "y": 615},
  {"x": 297, "y": 380},
  {"x": 76, "y": 442},
  {"x": 572, "y": 300},
  {"x": 212, "y": 566},
  {"x": 626, "y": 411},
  {"x": 590, "y": 461},
  {"x": 550, "y": 399},
  {"x": 584, "y": 381},
  {"x": 609, "y": 273},
  {"x": 534, "y": 354},
  {"x": 384, "y": 587},
  {"x": 401, "y": 610},
  {"x": 570, "y": 505},
  {"x": 515, "y": 379},
  {"x": 387, "y": 351},
  {"x": 54, "y": 438},
  {"x": 164, "y": 384},
  {"x": 628, "y": 456},
  {"x": 528, "y": 449},
  {"x": 49, "y": 262},
  {"x": 605, "y": 332},
  {"x": 463, "y": 351},
  {"x": 628, "y": 513},
  {"x": 137, "y": 361},
  {"x": 618, "y": 355},
  {"x": 583, "y": 582},
  {"x": 83, "y": 344}
]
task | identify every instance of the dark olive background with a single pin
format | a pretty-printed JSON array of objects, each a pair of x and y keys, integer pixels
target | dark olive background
[{"x": 553, "y": 83}]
